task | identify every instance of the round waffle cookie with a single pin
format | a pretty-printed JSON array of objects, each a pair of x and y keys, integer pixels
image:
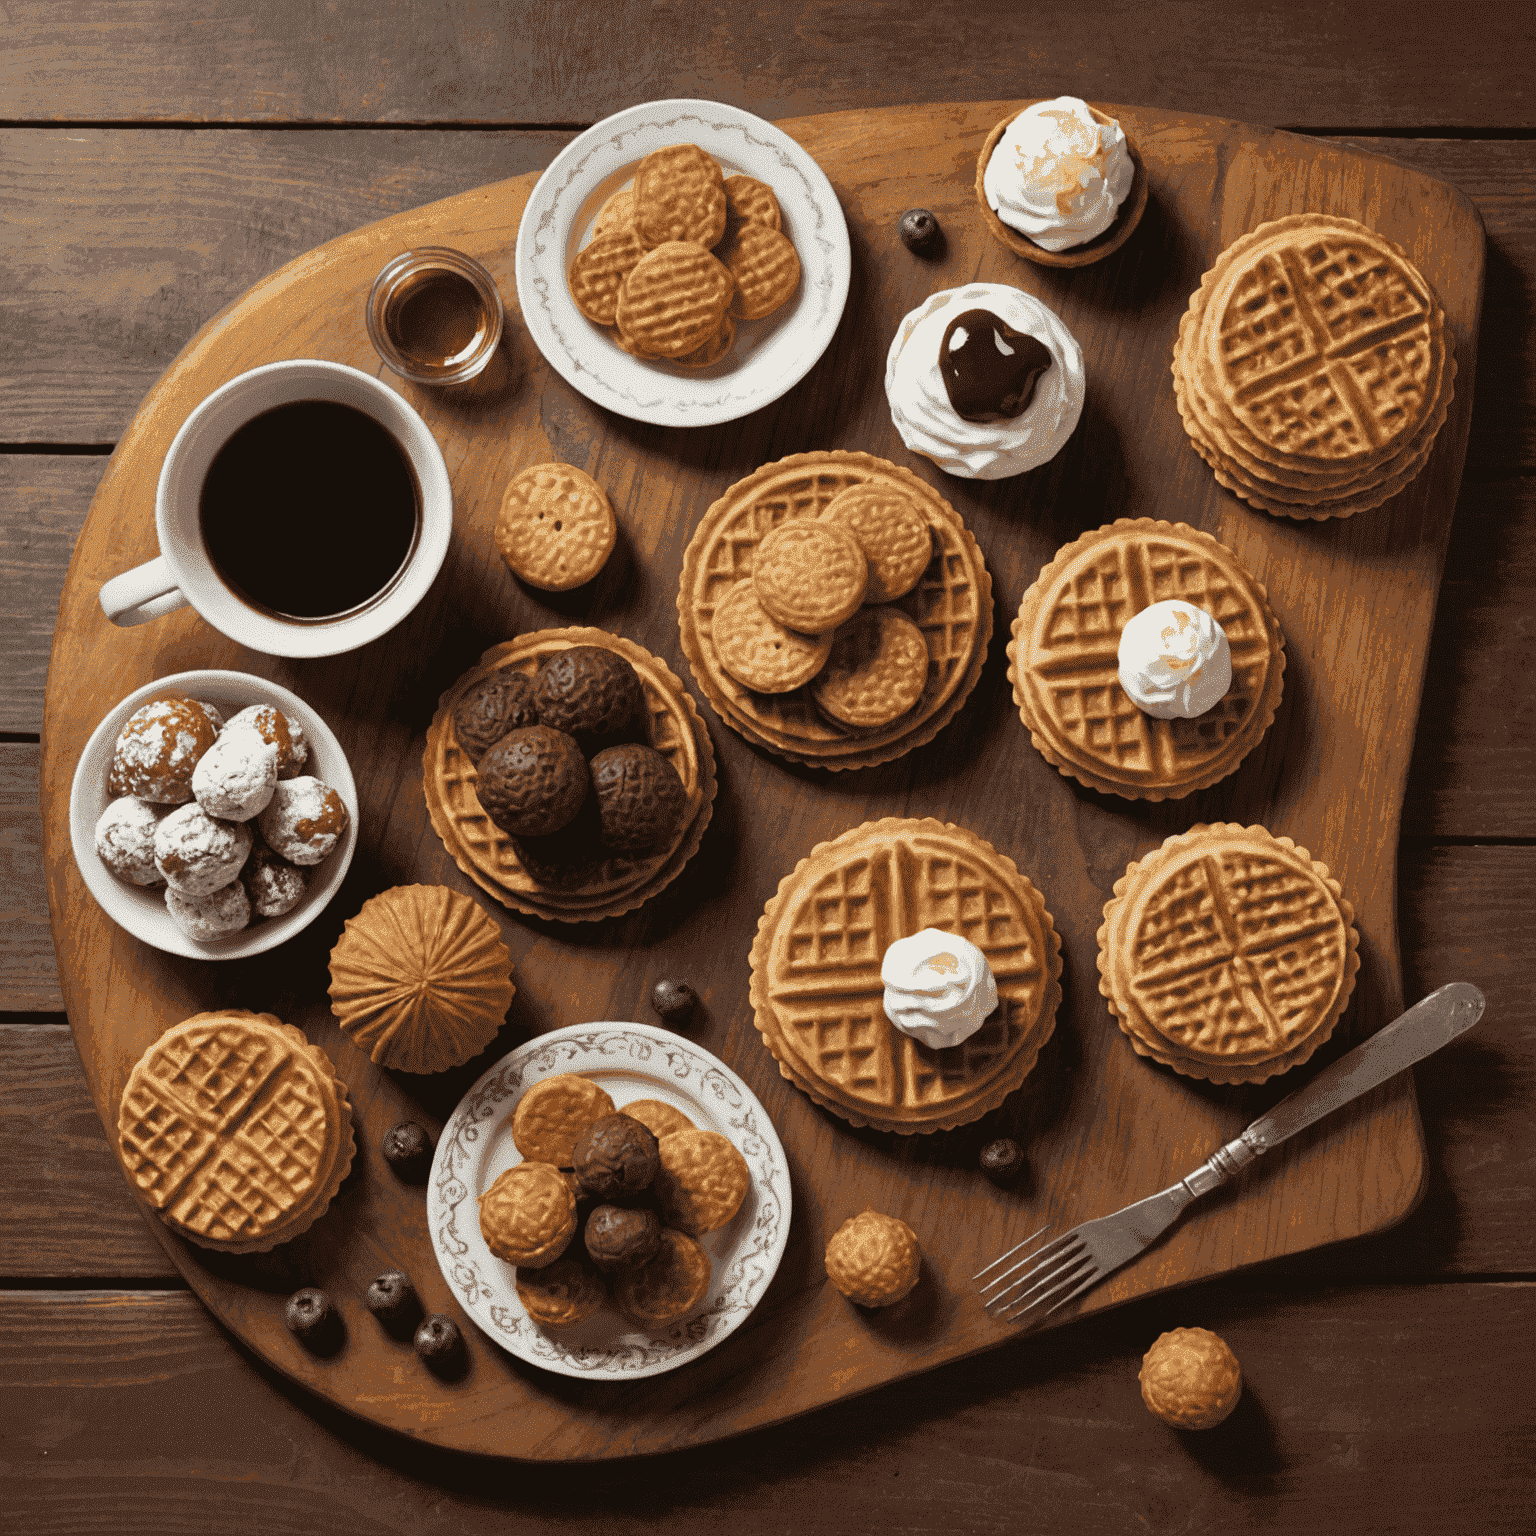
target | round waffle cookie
[
  {"x": 679, "y": 195},
  {"x": 1063, "y": 660},
  {"x": 1228, "y": 954},
  {"x": 816, "y": 990},
  {"x": 1312, "y": 368},
  {"x": 236, "y": 1129},
  {"x": 616, "y": 883},
  {"x": 951, "y": 604},
  {"x": 673, "y": 300}
]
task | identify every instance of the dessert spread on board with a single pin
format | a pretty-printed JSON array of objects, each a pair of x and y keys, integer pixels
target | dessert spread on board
[{"x": 834, "y": 610}]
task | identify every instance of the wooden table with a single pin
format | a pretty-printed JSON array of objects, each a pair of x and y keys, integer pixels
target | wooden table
[{"x": 159, "y": 162}]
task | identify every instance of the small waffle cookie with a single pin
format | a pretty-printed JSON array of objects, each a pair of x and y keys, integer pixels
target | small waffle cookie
[
  {"x": 1312, "y": 369},
  {"x": 567, "y": 879},
  {"x": 702, "y": 1181},
  {"x": 679, "y": 195},
  {"x": 617, "y": 213},
  {"x": 713, "y": 349},
  {"x": 665, "y": 1289},
  {"x": 552, "y": 1114},
  {"x": 892, "y": 532},
  {"x": 874, "y": 1259},
  {"x": 658, "y": 1118},
  {"x": 561, "y": 1294},
  {"x": 765, "y": 268},
  {"x": 556, "y": 527},
  {"x": 598, "y": 272},
  {"x": 750, "y": 201},
  {"x": 818, "y": 999},
  {"x": 236, "y": 1130},
  {"x": 1228, "y": 954},
  {"x": 528, "y": 1216},
  {"x": 951, "y": 605},
  {"x": 758, "y": 651},
  {"x": 673, "y": 300},
  {"x": 876, "y": 672},
  {"x": 810, "y": 575},
  {"x": 1063, "y": 660}
]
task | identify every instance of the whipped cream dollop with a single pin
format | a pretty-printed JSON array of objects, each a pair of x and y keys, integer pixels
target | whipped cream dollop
[
  {"x": 1174, "y": 660},
  {"x": 938, "y": 987},
  {"x": 1057, "y": 175},
  {"x": 976, "y": 450}
]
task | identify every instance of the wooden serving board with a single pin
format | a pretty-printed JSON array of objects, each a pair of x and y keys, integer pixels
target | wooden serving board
[{"x": 1100, "y": 1125}]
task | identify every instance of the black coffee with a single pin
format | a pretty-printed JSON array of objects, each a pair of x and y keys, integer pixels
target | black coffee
[{"x": 310, "y": 510}]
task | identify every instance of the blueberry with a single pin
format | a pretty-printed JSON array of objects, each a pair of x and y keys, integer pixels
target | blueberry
[
  {"x": 408, "y": 1150},
  {"x": 1002, "y": 1160},
  {"x": 393, "y": 1300},
  {"x": 674, "y": 1001},
  {"x": 310, "y": 1317},
  {"x": 920, "y": 232},
  {"x": 439, "y": 1342}
]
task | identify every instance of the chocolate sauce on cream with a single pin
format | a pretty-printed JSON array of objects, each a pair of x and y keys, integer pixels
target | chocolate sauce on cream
[{"x": 989, "y": 368}]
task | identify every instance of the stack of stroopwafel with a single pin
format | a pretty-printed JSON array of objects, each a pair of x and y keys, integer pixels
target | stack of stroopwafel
[
  {"x": 1063, "y": 660},
  {"x": 951, "y": 605},
  {"x": 1313, "y": 367},
  {"x": 235, "y": 1128},
  {"x": 1228, "y": 954},
  {"x": 613, "y": 884},
  {"x": 816, "y": 989}
]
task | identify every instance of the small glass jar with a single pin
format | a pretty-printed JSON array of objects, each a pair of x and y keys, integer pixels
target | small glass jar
[{"x": 434, "y": 315}]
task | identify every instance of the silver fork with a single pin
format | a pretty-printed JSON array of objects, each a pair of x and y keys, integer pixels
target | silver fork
[{"x": 1076, "y": 1261}]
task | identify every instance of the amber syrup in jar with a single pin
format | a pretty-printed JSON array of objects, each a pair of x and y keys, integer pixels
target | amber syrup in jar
[{"x": 435, "y": 316}]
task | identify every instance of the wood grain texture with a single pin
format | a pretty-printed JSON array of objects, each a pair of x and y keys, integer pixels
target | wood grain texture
[
  {"x": 1368, "y": 1411},
  {"x": 119, "y": 244},
  {"x": 1465, "y": 917},
  {"x": 29, "y": 979},
  {"x": 1096, "y": 1118},
  {"x": 516, "y": 61}
]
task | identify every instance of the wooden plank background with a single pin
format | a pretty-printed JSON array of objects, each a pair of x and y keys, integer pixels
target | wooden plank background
[{"x": 156, "y": 158}]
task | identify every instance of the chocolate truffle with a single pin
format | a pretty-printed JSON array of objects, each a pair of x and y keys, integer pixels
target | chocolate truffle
[
  {"x": 615, "y": 1157},
  {"x": 500, "y": 703},
  {"x": 533, "y": 781},
  {"x": 591, "y": 693},
  {"x": 617, "y": 1237},
  {"x": 640, "y": 799}
]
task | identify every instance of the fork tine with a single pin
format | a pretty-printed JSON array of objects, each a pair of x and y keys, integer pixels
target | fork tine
[
  {"x": 1066, "y": 1249},
  {"x": 1044, "y": 1255},
  {"x": 1004, "y": 1257},
  {"x": 1065, "y": 1275},
  {"x": 1092, "y": 1279},
  {"x": 1048, "y": 1274}
]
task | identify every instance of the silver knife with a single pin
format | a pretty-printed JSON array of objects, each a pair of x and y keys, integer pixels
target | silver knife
[{"x": 1071, "y": 1264}]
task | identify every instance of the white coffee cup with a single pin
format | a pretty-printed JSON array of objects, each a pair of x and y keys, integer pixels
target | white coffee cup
[{"x": 183, "y": 574}]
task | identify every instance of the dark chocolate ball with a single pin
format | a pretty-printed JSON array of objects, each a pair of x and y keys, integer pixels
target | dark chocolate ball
[
  {"x": 674, "y": 1001},
  {"x": 310, "y": 1316},
  {"x": 920, "y": 232},
  {"x": 393, "y": 1300},
  {"x": 640, "y": 799},
  {"x": 618, "y": 1237},
  {"x": 1002, "y": 1160},
  {"x": 615, "y": 1157},
  {"x": 408, "y": 1150},
  {"x": 438, "y": 1341},
  {"x": 533, "y": 781},
  {"x": 590, "y": 693},
  {"x": 500, "y": 703}
]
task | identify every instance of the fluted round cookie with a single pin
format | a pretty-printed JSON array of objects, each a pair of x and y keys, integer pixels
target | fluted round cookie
[
  {"x": 1228, "y": 954},
  {"x": 891, "y": 530},
  {"x": 556, "y": 527},
  {"x": 420, "y": 978},
  {"x": 528, "y": 1215},
  {"x": 877, "y": 670},
  {"x": 816, "y": 991},
  {"x": 810, "y": 575},
  {"x": 757, "y": 650}
]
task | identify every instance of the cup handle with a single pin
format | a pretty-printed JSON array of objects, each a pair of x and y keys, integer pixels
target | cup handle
[{"x": 148, "y": 591}]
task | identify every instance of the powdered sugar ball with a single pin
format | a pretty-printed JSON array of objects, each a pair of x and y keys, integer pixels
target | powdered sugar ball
[
  {"x": 303, "y": 820},
  {"x": 273, "y": 884},
  {"x": 214, "y": 916},
  {"x": 214, "y": 713},
  {"x": 125, "y": 839},
  {"x": 234, "y": 777},
  {"x": 195, "y": 854},
  {"x": 157, "y": 750},
  {"x": 271, "y": 724}
]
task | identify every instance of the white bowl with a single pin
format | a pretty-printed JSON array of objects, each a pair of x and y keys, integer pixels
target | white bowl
[{"x": 141, "y": 909}]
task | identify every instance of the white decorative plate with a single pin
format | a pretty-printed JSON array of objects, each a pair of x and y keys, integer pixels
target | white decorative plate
[
  {"x": 629, "y": 1061},
  {"x": 770, "y": 355}
]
